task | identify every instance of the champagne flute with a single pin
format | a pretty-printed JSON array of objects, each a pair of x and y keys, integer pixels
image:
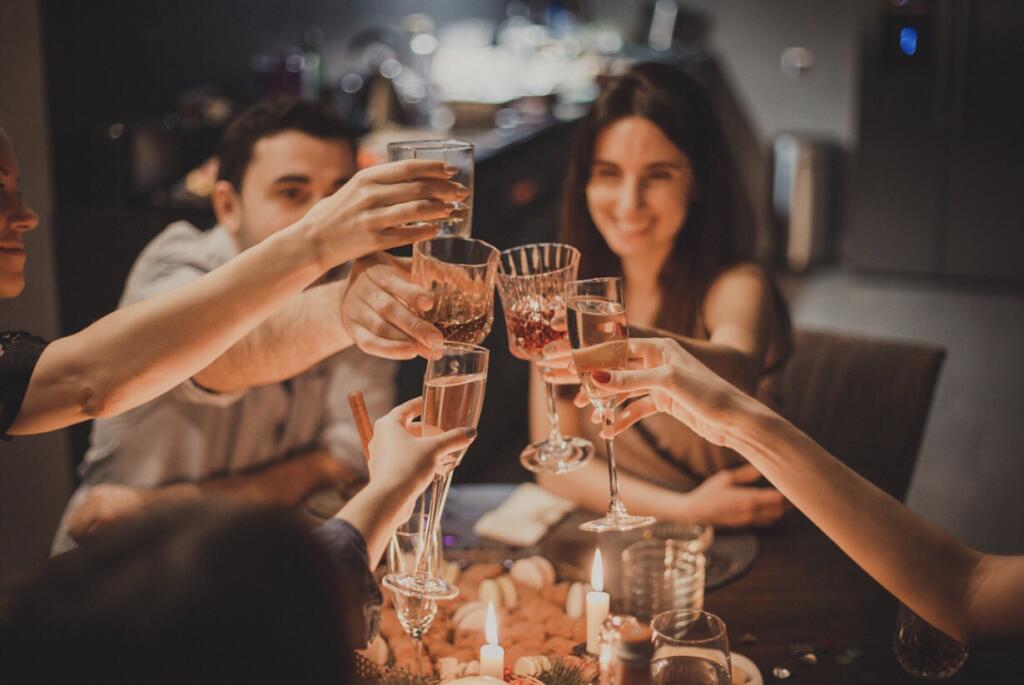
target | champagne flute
[
  {"x": 599, "y": 336},
  {"x": 415, "y": 613},
  {"x": 453, "y": 395},
  {"x": 459, "y": 154},
  {"x": 690, "y": 647},
  {"x": 531, "y": 280},
  {"x": 459, "y": 273}
]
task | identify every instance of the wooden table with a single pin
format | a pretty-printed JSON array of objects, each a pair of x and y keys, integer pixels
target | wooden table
[{"x": 802, "y": 590}]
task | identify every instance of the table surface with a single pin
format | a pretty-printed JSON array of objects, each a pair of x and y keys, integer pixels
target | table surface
[{"x": 801, "y": 591}]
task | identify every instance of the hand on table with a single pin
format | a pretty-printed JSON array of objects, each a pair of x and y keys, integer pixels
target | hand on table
[
  {"x": 403, "y": 460},
  {"x": 724, "y": 499},
  {"x": 380, "y": 309},
  {"x": 370, "y": 212}
]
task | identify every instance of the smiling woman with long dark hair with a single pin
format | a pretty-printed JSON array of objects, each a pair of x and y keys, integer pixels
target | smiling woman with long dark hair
[{"x": 652, "y": 195}]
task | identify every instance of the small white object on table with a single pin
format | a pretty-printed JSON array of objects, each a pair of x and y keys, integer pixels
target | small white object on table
[{"x": 524, "y": 517}]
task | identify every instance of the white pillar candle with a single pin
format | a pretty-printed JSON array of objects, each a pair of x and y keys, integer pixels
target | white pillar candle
[
  {"x": 492, "y": 656},
  {"x": 597, "y": 605}
]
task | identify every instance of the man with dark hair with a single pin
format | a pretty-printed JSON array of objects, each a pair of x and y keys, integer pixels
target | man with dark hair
[{"x": 268, "y": 421}]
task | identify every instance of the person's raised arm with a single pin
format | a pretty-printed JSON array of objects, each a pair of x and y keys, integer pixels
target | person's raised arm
[
  {"x": 402, "y": 464},
  {"x": 957, "y": 589},
  {"x": 141, "y": 351}
]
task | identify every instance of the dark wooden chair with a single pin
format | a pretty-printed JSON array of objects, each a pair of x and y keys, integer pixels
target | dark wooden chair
[{"x": 865, "y": 400}]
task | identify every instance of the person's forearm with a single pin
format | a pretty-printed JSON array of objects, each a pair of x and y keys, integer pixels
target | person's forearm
[
  {"x": 284, "y": 483},
  {"x": 139, "y": 352},
  {"x": 302, "y": 333},
  {"x": 914, "y": 559},
  {"x": 376, "y": 513},
  {"x": 731, "y": 364}
]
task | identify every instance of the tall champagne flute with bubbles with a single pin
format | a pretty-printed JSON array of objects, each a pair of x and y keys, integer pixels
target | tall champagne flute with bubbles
[
  {"x": 453, "y": 395},
  {"x": 599, "y": 337},
  {"x": 531, "y": 280}
]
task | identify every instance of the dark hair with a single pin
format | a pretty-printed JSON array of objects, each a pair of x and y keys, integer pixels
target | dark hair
[
  {"x": 717, "y": 231},
  {"x": 204, "y": 594},
  {"x": 268, "y": 118}
]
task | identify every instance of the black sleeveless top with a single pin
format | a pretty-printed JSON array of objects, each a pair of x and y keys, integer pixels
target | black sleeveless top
[{"x": 19, "y": 352}]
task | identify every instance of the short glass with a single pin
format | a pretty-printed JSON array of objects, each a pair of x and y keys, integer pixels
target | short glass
[
  {"x": 459, "y": 154},
  {"x": 459, "y": 273},
  {"x": 661, "y": 575},
  {"x": 923, "y": 650},
  {"x": 690, "y": 647}
]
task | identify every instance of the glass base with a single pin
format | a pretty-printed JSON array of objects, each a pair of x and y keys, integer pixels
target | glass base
[
  {"x": 542, "y": 457},
  {"x": 617, "y": 521},
  {"x": 418, "y": 584}
]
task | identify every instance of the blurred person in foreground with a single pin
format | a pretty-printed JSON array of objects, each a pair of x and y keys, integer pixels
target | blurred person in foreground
[
  {"x": 267, "y": 421},
  {"x": 143, "y": 350},
  {"x": 211, "y": 593},
  {"x": 653, "y": 195},
  {"x": 957, "y": 589}
]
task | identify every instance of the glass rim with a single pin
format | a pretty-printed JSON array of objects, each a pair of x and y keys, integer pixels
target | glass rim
[
  {"x": 598, "y": 279},
  {"x": 460, "y": 346},
  {"x": 493, "y": 255},
  {"x": 716, "y": 620},
  {"x": 431, "y": 144},
  {"x": 572, "y": 249}
]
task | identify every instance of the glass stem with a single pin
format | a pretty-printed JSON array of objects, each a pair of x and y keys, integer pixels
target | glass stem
[
  {"x": 554, "y": 434},
  {"x": 419, "y": 654},
  {"x": 615, "y": 504},
  {"x": 438, "y": 496}
]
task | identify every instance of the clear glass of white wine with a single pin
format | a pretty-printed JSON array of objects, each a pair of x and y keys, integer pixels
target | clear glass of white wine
[
  {"x": 599, "y": 337},
  {"x": 453, "y": 395}
]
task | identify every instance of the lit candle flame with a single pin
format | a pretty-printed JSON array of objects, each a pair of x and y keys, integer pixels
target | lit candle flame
[
  {"x": 597, "y": 573},
  {"x": 491, "y": 625}
]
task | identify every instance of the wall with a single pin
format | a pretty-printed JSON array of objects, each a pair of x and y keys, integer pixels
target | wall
[{"x": 34, "y": 475}]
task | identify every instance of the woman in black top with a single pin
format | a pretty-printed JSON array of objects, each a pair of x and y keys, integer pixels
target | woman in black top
[{"x": 139, "y": 352}]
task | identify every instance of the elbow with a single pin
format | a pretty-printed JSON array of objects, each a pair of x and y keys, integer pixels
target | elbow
[{"x": 93, "y": 400}]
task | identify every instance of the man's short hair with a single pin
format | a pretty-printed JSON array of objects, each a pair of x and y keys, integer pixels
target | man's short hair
[{"x": 269, "y": 118}]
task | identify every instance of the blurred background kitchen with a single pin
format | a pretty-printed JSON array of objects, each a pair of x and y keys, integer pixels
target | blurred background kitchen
[{"x": 880, "y": 143}]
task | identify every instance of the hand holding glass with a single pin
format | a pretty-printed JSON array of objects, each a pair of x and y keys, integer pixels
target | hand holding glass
[
  {"x": 459, "y": 273},
  {"x": 453, "y": 395},
  {"x": 460, "y": 155},
  {"x": 599, "y": 337}
]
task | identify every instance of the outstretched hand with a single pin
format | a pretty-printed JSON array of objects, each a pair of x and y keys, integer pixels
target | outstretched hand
[
  {"x": 403, "y": 460},
  {"x": 382, "y": 307},
  {"x": 672, "y": 381},
  {"x": 383, "y": 207}
]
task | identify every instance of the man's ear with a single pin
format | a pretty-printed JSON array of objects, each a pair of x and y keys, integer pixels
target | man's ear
[{"x": 227, "y": 205}]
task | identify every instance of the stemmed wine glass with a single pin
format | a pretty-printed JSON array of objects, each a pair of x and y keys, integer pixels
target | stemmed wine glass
[
  {"x": 453, "y": 395},
  {"x": 531, "y": 280},
  {"x": 599, "y": 337},
  {"x": 415, "y": 613},
  {"x": 459, "y": 273}
]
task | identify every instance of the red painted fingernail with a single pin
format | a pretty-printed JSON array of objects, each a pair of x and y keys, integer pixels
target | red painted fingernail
[{"x": 601, "y": 376}]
